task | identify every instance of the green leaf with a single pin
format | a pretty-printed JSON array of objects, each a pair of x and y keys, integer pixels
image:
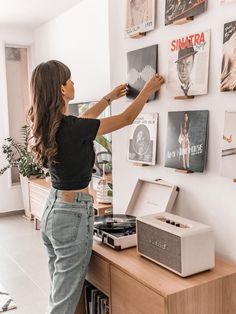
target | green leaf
[
  {"x": 18, "y": 155},
  {"x": 110, "y": 185},
  {"x": 103, "y": 141},
  {"x": 109, "y": 193}
]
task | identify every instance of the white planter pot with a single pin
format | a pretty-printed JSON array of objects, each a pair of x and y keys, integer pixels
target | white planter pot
[
  {"x": 103, "y": 192},
  {"x": 24, "y": 181}
]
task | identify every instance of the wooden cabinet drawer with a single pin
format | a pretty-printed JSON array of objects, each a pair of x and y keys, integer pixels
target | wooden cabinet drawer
[
  {"x": 130, "y": 296},
  {"x": 98, "y": 274},
  {"x": 38, "y": 198}
]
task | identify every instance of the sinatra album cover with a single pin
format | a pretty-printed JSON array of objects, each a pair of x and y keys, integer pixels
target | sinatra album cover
[
  {"x": 189, "y": 64},
  {"x": 142, "y": 65},
  {"x": 178, "y": 9},
  {"x": 143, "y": 139},
  {"x": 228, "y": 66},
  {"x": 228, "y": 156},
  {"x": 186, "y": 143},
  {"x": 140, "y": 16}
]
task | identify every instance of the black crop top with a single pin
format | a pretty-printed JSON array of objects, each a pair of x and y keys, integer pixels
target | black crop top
[{"x": 75, "y": 157}]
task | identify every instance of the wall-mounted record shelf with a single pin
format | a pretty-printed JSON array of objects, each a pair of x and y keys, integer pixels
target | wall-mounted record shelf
[
  {"x": 183, "y": 20},
  {"x": 138, "y": 35}
]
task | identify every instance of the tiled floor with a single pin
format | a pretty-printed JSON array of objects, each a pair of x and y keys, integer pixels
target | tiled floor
[{"x": 23, "y": 265}]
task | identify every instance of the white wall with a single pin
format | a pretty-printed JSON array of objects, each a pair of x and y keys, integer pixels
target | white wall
[
  {"x": 206, "y": 197},
  {"x": 79, "y": 38},
  {"x": 11, "y": 197}
]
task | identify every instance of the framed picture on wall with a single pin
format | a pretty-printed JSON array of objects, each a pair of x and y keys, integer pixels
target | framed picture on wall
[
  {"x": 188, "y": 66},
  {"x": 142, "y": 65},
  {"x": 102, "y": 144},
  {"x": 187, "y": 137},
  {"x": 228, "y": 155},
  {"x": 140, "y": 16},
  {"x": 228, "y": 67},
  {"x": 143, "y": 139},
  {"x": 178, "y": 9}
]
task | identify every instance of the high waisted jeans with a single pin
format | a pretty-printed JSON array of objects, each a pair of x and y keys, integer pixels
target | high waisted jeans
[{"x": 67, "y": 233}]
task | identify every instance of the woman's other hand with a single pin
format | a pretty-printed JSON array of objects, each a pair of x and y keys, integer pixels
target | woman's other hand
[
  {"x": 117, "y": 92},
  {"x": 154, "y": 84}
]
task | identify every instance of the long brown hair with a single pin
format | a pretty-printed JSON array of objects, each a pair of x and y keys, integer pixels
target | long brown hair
[{"x": 47, "y": 107}]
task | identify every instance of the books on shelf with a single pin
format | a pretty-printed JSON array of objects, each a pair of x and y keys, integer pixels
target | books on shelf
[{"x": 96, "y": 302}]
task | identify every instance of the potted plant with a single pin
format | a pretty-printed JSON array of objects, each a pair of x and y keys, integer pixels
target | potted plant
[
  {"x": 104, "y": 156},
  {"x": 18, "y": 155},
  {"x": 104, "y": 191}
]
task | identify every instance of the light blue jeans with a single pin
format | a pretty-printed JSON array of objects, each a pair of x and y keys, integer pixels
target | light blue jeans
[{"x": 67, "y": 233}]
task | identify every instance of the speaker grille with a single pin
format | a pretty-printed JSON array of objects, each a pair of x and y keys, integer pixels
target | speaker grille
[{"x": 159, "y": 245}]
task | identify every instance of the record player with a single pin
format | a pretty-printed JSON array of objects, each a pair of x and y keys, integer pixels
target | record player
[{"x": 149, "y": 197}]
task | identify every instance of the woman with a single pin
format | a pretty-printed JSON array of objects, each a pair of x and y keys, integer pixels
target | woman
[
  {"x": 184, "y": 141},
  {"x": 64, "y": 144}
]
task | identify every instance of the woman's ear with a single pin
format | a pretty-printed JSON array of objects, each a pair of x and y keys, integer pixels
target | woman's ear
[{"x": 63, "y": 90}]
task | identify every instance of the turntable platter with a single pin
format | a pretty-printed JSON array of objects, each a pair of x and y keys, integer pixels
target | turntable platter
[{"x": 115, "y": 223}]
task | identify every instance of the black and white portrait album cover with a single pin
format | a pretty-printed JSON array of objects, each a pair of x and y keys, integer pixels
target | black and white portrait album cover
[
  {"x": 142, "y": 65},
  {"x": 228, "y": 66},
  {"x": 143, "y": 139},
  {"x": 187, "y": 137},
  {"x": 188, "y": 66},
  {"x": 140, "y": 16},
  {"x": 228, "y": 155},
  {"x": 178, "y": 9}
]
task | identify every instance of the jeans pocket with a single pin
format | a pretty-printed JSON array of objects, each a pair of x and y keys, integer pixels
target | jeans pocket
[
  {"x": 91, "y": 210},
  {"x": 65, "y": 225}
]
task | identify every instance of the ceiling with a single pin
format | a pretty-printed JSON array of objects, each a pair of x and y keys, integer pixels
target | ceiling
[{"x": 31, "y": 13}]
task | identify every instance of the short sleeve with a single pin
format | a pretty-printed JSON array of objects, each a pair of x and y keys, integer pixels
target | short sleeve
[{"x": 85, "y": 128}]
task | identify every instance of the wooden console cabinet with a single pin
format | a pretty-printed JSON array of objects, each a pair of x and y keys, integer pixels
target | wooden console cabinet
[
  {"x": 39, "y": 190},
  {"x": 136, "y": 285}
]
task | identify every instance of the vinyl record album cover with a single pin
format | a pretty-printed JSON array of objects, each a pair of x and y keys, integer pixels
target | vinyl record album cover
[
  {"x": 228, "y": 67},
  {"x": 140, "y": 16},
  {"x": 142, "y": 65},
  {"x": 179, "y": 9},
  {"x": 189, "y": 64},
  {"x": 228, "y": 156},
  {"x": 143, "y": 139},
  {"x": 186, "y": 143}
]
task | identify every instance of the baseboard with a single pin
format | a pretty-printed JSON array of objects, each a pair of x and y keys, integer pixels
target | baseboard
[{"x": 13, "y": 212}]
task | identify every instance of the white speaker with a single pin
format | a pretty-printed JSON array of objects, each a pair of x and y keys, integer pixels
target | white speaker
[{"x": 183, "y": 246}]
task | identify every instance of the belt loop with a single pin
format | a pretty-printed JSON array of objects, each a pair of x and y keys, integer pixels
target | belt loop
[
  {"x": 78, "y": 197},
  {"x": 55, "y": 194}
]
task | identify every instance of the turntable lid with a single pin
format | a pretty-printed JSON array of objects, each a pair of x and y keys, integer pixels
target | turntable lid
[{"x": 150, "y": 197}]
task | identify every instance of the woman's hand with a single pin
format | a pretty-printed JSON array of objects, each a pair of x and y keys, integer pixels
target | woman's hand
[
  {"x": 154, "y": 84},
  {"x": 117, "y": 92}
]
